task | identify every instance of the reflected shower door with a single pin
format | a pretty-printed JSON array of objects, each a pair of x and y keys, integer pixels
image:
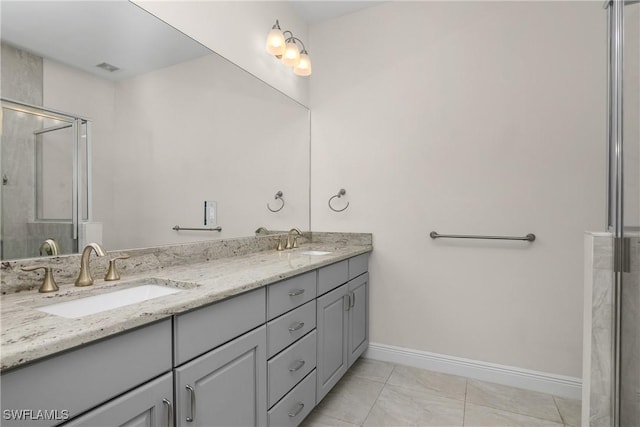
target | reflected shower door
[{"x": 45, "y": 185}]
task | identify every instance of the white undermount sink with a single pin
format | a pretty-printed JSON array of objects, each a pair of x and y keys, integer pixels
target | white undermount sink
[
  {"x": 314, "y": 253},
  {"x": 97, "y": 303}
]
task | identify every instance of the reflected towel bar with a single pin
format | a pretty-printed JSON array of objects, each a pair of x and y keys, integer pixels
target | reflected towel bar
[
  {"x": 178, "y": 228},
  {"x": 529, "y": 237}
]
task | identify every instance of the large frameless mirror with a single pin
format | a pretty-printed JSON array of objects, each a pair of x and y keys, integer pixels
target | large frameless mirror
[{"x": 166, "y": 124}]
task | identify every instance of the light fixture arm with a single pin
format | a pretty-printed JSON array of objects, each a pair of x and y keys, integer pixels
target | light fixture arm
[{"x": 294, "y": 40}]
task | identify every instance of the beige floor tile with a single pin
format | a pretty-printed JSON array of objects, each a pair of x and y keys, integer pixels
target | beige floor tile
[
  {"x": 570, "y": 411},
  {"x": 482, "y": 416},
  {"x": 316, "y": 419},
  {"x": 398, "y": 406},
  {"x": 351, "y": 399},
  {"x": 510, "y": 399},
  {"x": 433, "y": 382},
  {"x": 371, "y": 370}
]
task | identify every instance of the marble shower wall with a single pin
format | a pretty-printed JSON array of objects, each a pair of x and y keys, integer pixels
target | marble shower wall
[
  {"x": 598, "y": 327},
  {"x": 598, "y": 333}
]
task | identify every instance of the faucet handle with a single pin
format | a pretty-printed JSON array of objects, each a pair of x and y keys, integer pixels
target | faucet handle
[
  {"x": 48, "y": 284},
  {"x": 113, "y": 274}
]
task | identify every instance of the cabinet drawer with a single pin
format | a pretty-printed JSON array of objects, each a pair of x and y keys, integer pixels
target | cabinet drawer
[
  {"x": 288, "y": 328},
  {"x": 289, "y": 294},
  {"x": 81, "y": 379},
  {"x": 289, "y": 367},
  {"x": 332, "y": 276},
  {"x": 296, "y": 405},
  {"x": 358, "y": 265},
  {"x": 203, "y": 329}
]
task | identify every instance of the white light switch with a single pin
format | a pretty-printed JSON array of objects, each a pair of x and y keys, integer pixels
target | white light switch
[{"x": 210, "y": 213}]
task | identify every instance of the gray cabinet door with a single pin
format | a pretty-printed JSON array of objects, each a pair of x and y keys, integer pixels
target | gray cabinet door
[
  {"x": 358, "y": 317},
  {"x": 149, "y": 405},
  {"x": 332, "y": 328},
  {"x": 226, "y": 386}
]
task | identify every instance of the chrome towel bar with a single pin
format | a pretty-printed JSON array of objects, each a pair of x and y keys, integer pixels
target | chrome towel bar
[
  {"x": 529, "y": 237},
  {"x": 178, "y": 228}
]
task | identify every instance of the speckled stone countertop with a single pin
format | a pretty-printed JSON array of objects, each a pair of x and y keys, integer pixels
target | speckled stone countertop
[{"x": 29, "y": 334}]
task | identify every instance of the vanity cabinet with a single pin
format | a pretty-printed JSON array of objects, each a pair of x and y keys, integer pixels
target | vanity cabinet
[
  {"x": 342, "y": 324},
  {"x": 264, "y": 357},
  {"x": 61, "y": 387},
  {"x": 226, "y": 386},
  {"x": 149, "y": 405}
]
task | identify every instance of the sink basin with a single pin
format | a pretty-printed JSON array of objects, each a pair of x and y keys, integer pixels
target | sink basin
[
  {"x": 107, "y": 301},
  {"x": 314, "y": 253}
]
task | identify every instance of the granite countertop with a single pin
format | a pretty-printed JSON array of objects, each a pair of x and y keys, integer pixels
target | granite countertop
[{"x": 29, "y": 334}]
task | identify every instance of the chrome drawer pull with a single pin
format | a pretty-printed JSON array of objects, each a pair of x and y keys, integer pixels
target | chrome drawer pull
[
  {"x": 299, "y": 364},
  {"x": 299, "y": 326},
  {"x": 192, "y": 410},
  {"x": 296, "y": 292},
  {"x": 297, "y": 410},
  {"x": 353, "y": 299},
  {"x": 169, "y": 412}
]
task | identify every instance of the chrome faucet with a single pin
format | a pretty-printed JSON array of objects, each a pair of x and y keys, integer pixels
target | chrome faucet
[
  {"x": 293, "y": 244},
  {"x": 85, "y": 278}
]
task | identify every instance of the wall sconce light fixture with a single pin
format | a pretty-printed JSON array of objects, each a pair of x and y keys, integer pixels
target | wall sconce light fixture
[{"x": 284, "y": 46}]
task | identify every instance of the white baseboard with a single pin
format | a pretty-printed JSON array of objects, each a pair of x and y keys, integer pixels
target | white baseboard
[{"x": 557, "y": 385}]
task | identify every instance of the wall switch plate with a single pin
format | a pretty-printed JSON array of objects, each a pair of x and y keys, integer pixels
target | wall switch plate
[{"x": 210, "y": 213}]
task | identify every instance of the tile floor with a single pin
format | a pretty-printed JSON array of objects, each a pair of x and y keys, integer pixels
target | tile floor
[{"x": 375, "y": 393}]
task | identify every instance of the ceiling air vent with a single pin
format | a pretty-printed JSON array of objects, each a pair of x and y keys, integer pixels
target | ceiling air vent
[{"x": 108, "y": 67}]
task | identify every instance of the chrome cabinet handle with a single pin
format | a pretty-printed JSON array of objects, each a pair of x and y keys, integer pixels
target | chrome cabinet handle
[
  {"x": 297, "y": 327},
  {"x": 296, "y": 292},
  {"x": 353, "y": 299},
  {"x": 192, "y": 407},
  {"x": 347, "y": 302},
  {"x": 299, "y": 409},
  {"x": 169, "y": 412},
  {"x": 299, "y": 364}
]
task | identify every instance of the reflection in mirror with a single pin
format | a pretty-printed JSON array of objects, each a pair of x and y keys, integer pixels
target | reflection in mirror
[{"x": 168, "y": 133}]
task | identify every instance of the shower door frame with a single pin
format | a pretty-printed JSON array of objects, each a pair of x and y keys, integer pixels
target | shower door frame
[
  {"x": 616, "y": 220},
  {"x": 75, "y": 122}
]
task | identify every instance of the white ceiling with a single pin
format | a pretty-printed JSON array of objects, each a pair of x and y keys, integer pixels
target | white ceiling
[
  {"x": 314, "y": 11},
  {"x": 84, "y": 34}
]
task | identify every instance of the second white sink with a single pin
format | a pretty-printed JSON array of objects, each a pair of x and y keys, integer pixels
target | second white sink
[
  {"x": 95, "y": 304},
  {"x": 314, "y": 253}
]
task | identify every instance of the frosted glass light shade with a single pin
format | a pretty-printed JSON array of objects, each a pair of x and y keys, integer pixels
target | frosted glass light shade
[
  {"x": 275, "y": 42},
  {"x": 304, "y": 66},
  {"x": 291, "y": 55}
]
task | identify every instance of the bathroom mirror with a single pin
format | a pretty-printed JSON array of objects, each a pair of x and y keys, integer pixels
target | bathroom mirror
[{"x": 175, "y": 126}]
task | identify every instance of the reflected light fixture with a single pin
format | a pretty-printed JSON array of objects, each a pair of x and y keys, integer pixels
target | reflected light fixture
[{"x": 284, "y": 46}]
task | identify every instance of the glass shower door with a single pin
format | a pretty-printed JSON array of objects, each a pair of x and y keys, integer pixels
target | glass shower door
[
  {"x": 624, "y": 204},
  {"x": 629, "y": 276}
]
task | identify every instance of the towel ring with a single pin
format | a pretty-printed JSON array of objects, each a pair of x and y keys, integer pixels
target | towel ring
[
  {"x": 341, "y": 193},
  {"x": 277, "y": 196}
]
